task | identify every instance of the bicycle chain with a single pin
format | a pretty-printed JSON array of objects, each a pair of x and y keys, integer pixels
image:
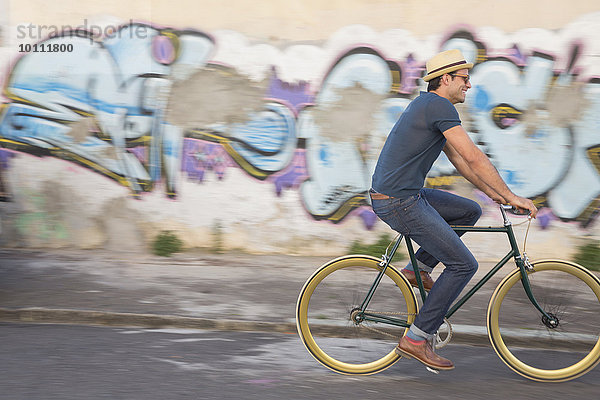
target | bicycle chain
[
  {"x": 395, "y": 337},
  {"x": 386, "y": 333}
]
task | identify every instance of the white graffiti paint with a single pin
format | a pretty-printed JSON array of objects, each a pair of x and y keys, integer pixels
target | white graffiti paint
[
  {"x": 531, "y": 157},
  {"x": 115, "y": 88},
  {"x": 534, "y": 108},
  {"x": 581, "y": 182},
  {"x": 340, "y": 162}
]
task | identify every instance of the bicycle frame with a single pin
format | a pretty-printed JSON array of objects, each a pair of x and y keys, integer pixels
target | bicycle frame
[{"x": 521, "y": 261}]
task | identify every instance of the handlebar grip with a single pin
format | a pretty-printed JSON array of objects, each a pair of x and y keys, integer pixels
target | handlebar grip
[{"x": 514, "y": 210}]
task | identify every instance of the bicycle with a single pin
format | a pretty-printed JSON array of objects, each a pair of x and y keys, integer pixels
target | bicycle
[{"x": 556, "y": 305}]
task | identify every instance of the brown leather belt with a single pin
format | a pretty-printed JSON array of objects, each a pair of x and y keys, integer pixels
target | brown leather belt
[{"x": 379, "y": 196}]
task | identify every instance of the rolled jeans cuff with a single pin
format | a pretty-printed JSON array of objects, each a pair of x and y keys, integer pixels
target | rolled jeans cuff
[
  {"x": 422, "y": 267},
  {"x": 419, "y": 332}
]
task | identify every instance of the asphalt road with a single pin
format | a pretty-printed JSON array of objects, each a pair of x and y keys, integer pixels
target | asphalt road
[{"x": 84, "y": 362}]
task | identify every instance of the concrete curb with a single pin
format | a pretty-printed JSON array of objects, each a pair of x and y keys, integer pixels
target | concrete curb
[
  {"x": 88, "y": 317},
  {"x": 462, "y": 334}
]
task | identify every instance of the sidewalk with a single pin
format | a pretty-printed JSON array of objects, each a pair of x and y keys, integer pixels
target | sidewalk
[
  {"x": 202, "y": 290},
  {"x": 232, "y": 291}
]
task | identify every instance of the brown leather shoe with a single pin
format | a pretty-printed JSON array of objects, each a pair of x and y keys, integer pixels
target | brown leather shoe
[
  {"x": 425, "y": 278},
  {"x": 423, "y": 353}
]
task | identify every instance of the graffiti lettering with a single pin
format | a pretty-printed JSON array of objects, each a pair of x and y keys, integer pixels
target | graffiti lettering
[{"x": 163, "y": 107}]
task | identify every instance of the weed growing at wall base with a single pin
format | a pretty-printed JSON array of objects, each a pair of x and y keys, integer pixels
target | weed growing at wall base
[
  {"x": 217, "y": 234},
  {"x": 588, "y": 255},
  {"x": 376, "y": 249},
  {"x": 166, "y": 243}
]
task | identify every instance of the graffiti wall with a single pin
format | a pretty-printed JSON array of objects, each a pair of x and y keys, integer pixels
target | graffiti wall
[{"x": 157, "y": 109}]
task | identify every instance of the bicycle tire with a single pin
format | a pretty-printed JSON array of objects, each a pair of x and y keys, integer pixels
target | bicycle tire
[
  {"x": 323, "y": 315},
  {"x": 571, "y": 349}
]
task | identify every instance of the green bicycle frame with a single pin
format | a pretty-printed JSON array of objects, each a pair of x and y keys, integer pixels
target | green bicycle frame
[{"x": 521, "y": 262}]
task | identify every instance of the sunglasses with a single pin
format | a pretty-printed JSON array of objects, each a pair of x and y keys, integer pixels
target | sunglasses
[{"x": 465, "y": 77}]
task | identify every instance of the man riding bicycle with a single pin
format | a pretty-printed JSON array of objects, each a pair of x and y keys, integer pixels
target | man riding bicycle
[{"x": 429, "y": 125}]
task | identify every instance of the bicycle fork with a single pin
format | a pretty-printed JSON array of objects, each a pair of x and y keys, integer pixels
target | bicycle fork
[
  {"x": 522, "y": 261},
  {"x": 548, "y": 319}
]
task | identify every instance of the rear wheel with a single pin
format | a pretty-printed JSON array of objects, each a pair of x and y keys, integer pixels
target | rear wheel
[{"x": 328, "y": 317}]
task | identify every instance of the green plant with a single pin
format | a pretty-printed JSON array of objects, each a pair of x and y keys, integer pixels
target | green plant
[
  {"x": 217, "y": 234},
  {"x": 376, "y": 249},
  {"x": 166, "y": 243},
  {"x": 588, "y": 255}
]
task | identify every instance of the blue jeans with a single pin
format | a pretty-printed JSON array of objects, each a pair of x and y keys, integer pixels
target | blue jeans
[{"x": 426, "y": 218}]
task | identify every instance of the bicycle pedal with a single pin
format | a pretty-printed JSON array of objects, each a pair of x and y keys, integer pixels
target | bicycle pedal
[{"x": 433, "y": 370}]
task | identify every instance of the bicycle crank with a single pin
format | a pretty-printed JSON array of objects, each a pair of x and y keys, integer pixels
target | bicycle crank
[{"x": 443, "y": 335}]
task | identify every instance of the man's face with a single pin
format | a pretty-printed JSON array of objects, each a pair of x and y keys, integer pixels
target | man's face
[{"x": 458, "y": 86}]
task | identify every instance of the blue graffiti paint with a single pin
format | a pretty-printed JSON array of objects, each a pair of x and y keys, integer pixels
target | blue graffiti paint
[
  {"x": 324, "y": 155},
  {"x": 481, "y": 102},
  {"x": 83, "y": 96},
  {"x": 511, "y": 178}
]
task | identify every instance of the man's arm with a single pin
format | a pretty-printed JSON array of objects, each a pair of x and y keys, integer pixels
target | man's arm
[
  {"x": 463, "y": 168},
  {"x": 478, "y": 167}
]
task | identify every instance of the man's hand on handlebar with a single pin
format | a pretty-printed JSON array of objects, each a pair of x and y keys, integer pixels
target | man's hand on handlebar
[{"x": 524, "y": 206}]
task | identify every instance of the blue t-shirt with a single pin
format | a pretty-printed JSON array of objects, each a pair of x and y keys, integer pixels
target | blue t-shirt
[{"x": 413, "y": 145}]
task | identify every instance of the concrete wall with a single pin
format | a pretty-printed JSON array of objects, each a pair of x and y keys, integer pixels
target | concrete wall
[{"x": 260, "y": 124}]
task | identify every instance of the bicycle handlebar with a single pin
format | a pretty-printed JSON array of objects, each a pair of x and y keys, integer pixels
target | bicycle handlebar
[{"x": 514, "y": 210}]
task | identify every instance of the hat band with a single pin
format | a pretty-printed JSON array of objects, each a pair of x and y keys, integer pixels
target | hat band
[{"x": 447, "y": 66}]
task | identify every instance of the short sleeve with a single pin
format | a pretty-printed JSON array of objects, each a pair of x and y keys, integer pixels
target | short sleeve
[{"x": 442, "y": 115}]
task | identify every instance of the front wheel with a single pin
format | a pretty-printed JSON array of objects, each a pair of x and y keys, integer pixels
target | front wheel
[
  {"x": 567, "y": 292},
  {"x": 328, "y": 319}
]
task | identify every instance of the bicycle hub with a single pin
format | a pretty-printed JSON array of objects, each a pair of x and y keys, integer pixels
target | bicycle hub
[
  {"x": 551, "y": 322},
  {"x": 357, "y": 316}
]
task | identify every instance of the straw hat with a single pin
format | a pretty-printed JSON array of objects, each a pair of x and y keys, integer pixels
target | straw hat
[{"x": 444, "y": 63}]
